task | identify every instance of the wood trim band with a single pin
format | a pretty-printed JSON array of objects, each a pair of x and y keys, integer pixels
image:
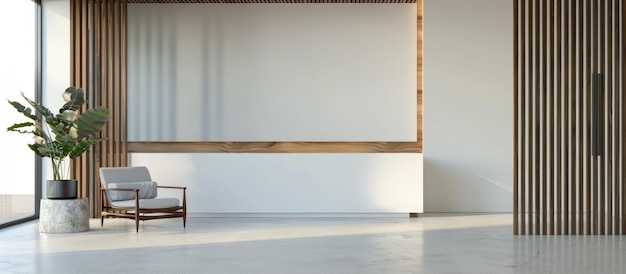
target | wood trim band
[{"x": 273, "y": 147}]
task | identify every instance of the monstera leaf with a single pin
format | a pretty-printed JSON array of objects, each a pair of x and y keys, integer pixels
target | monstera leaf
[{"x": 66, "y": 134}]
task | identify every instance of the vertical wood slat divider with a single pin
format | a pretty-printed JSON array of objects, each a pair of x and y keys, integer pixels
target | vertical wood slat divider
[
  {"x": 98, "y": 66},
  {"x": 560, "y": 186}
]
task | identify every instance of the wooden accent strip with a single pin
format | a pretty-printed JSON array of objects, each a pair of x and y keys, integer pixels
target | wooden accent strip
[
  {"x": 273, "y": 147},
  {"x": 531, "y": 120},
  {"x": 541, "y": 134},
  {"x": 580, "y": 116},
  {"x": 587, "y": 143},
  {"x": 549, "y": 115},
  {"x": 567, "y": 122},
  {"x": 557, "y": 213},
  {"x": 622, "y": 116},
  {"x": 516, "y": 110},
  {"x": 609, "y": 120},
  {"x": 420, "y": 72}
]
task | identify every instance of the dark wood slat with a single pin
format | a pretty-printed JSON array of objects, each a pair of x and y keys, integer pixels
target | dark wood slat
[
  {"x": 585, "y": 124},
  {"x": 522, "y": 162},
  {"x": 531, "y": 117},
  {"x": 581, "y": 118},
  {"x": 610, "y": 120},
  {"x": 548, "y": 194},
  {"x": 542, "y": 195},
  {"x": 601, "y": 183},
  {"x": 516, "y": 110},
  {"x": 618, "y": 119},
  {"x": 623, "y": 118},
  {"x": 559, "y": 143},
  {"x": 567, "y": 123}
]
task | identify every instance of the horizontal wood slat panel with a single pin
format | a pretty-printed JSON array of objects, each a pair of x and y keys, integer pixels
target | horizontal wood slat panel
[{"x": 274, "y": 147}]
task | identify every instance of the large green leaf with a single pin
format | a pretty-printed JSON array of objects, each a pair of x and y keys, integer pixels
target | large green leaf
[
  {"x": 18, "y": 127},
  {"x": 74, "y": 98},
  {"x": 79, "y": 148},
  {"x": 22, "y": 109},
  {"x": 91, "y": 121},
  {"x": 44, "y": 111}
]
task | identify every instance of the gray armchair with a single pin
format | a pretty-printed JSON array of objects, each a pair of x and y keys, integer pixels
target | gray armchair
[{"x": 129, "y": 192}]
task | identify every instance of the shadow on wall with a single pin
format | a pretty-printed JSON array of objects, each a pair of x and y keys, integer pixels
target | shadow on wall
[{"x": 450, "y": 187}]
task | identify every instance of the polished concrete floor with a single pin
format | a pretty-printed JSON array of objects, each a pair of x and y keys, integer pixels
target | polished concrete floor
[{"x": 431, "y": 243}]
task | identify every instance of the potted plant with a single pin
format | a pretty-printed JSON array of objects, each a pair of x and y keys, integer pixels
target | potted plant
[{"x": 62, "y": 135}]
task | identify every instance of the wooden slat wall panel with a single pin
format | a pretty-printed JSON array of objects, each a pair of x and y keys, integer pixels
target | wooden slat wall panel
[
  {"x": 99, "y": 67},
  {"x": 569, "y": 154}
]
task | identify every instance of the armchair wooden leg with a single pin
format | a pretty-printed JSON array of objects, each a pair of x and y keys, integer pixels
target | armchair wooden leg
[
  {"x": 101, "y": 220},
  {"x": 137, "y": 222}
]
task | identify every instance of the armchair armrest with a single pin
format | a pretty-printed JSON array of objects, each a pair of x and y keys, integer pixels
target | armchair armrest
[
  {"x": 121, "y": 189},
  {"x": 176, "y": 187}
]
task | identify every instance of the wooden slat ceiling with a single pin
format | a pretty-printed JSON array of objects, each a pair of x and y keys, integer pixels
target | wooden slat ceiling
[{"x": 268, "y": 1}]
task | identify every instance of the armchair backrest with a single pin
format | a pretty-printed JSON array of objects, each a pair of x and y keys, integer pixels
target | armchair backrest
[
  {"x": 124, "y": 175},
  {"x": 116, "y": 175}
]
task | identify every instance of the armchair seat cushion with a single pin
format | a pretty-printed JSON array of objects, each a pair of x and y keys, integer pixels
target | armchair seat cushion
[
  {"x": 149, "y": 203},
  {"x": 147, "y": 190}
]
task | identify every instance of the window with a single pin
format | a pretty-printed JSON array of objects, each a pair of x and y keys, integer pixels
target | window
[{"x": 18, "y": 73}]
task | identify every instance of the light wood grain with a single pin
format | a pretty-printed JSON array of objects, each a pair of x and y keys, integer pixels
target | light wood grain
[{"x": 273, "y": 147}]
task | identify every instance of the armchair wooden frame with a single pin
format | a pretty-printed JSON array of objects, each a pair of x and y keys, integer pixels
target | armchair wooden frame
[{"x": 137, "y": 213}]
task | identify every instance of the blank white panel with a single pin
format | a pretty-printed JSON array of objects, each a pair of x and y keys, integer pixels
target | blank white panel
[
  {"x": 279, "y": 72},
  {"x": 291, "y": 183}
]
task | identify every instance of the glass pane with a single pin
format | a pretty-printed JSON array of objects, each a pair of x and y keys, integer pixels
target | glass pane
[{"x": 17, "y": 74}]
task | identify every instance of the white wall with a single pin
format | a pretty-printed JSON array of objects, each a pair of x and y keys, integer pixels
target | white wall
[
  {"x": 350, "y": 183},
  {"x": 468, "y": 106},
  {"x": 278, "y": 72},
  {"x": 55, "y": 60}
]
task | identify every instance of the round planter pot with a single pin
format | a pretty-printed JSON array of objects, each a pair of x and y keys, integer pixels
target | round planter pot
[{"x": 61, "y": 189}]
